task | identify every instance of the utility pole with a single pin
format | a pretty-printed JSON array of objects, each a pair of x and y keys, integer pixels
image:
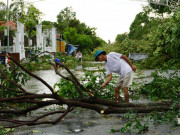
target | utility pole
[{"x": 7, "y": 25}]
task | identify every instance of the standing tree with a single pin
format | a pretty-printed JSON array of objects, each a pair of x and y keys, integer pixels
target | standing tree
[
  {"x": 17, "y": 10},
  {"x": 24, "y": 12},
  {"x": 120, "y": 37},
  {"x": 2, "y": 11},
  {"x": 64, "y": 18},
  {"x": 32, "y": 18},
  {"x": 140, "y": 25},
  {"x": 75, "y": 32}
]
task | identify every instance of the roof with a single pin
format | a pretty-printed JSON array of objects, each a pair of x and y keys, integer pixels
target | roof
[{"x": 12, "y": 24}]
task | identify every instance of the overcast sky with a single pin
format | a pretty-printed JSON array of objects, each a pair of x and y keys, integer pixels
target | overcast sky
[{"x": 110, "y": 17}]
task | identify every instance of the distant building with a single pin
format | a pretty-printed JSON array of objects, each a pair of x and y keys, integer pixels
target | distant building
[{"x": 138, "y": 56}]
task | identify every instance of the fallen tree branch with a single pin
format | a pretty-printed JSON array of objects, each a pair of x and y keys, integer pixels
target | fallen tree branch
[{"x": 38, "y": 101}]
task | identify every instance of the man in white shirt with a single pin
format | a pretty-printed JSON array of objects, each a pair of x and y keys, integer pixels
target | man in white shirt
[
  {"x": 120, "y": 64},
  {"x": 79, "y": 56}
]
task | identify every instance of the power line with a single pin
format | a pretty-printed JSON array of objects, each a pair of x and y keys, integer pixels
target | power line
[{"x": 172, "y": 4}]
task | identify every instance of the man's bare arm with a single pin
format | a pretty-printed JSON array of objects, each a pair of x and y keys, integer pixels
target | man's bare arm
[{"x": 107, "y": 80}]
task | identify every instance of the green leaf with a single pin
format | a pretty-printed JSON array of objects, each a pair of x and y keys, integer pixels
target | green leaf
[{"x": 36, "y": 131}]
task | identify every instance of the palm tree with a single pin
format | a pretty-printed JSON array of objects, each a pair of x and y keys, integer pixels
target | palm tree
[
  {"x": 17, "y": 10},
  {"x": 2, "y": 11}
]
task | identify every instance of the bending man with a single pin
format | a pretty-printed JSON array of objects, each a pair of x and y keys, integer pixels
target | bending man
[{"x": 120, "y": 64}]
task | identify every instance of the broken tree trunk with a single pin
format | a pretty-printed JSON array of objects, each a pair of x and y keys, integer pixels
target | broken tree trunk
[{"x": 37, "y": 101}]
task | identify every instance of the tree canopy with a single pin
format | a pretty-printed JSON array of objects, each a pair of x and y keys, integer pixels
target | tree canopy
[
  {"x": 149, "y": 34},
  {"x": 75, "y": 32}
]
